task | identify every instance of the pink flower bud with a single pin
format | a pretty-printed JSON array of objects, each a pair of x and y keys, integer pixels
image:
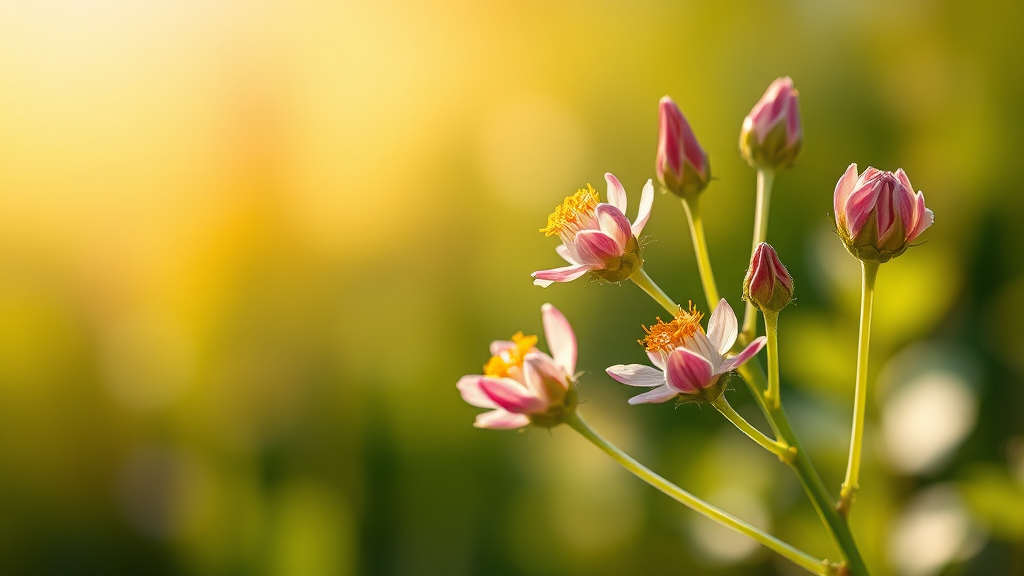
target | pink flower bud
[
  {"x": 681, "y": 164},
  {"x": 878, "y": 214},
  {"x": 767, "y": 284},
  {"x": 772, "y": 137}
]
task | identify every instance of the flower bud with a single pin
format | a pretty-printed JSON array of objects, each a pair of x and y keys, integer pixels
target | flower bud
[
  {"x": 772, "y": 137},
  {"x": 768, "y": 284},
  {"x": 681, "y": 164},
  {"x": 878, "y": 214}
]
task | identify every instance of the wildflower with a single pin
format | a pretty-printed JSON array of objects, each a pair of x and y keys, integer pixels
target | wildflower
[
  {"x": 596, "y": 236},
  {"x": 878, "y": 214},
  {"x": 772, "y": 137},
  {"x": 523, "y": 385},
  {"x": 681, "y": 164},
  {"x": 689, "y": 362},
  {"x": 768, "y": 284}
]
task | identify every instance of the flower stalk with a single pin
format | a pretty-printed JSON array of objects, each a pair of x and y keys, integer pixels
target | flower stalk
[
  {"x": 641, "y": 279},
  {"x": 780, "y": 449},
  {"x": 798, "y": 557},
  {"x": 773, "y": 396},
  {"x": 869, "y": 272},
  {"x": 700, "y": 247},
  {"x": 765, "y": 180}
]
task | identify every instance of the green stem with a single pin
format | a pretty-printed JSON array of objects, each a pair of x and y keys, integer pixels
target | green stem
[
  {"x": 834, "y": 523},
  {"x": 869, "y": 271},
  {"x": 700, "y": 248},
  {"x": 641, "y": 279},
  {"x": 765, "y": 179},
  {"x": 780, "y": 449},
  {"x": 798, "y": 557},
  {"x": 773, "y": 396}
]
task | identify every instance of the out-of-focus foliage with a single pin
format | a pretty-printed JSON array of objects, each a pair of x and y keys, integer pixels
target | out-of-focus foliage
[{"x": 246, "y": 250}]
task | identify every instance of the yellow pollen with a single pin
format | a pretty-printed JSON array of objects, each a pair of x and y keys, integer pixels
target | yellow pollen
[
  {"x": 667, "y": 336},
  {"x": 500, "y": 365},
  {"x": 571, "y": 211}
]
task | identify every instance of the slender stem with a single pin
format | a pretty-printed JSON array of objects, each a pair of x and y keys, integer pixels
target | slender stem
[
  {"x": 765, "y": 179},
  {"x": 834, "y": 523},
  {"x": 798, "y": 557},
  {"x": 773, "y": 396},
  {"x": 869, "y": 271},
  {"x": 641, "y": 279},
  {"x": 780, "y": 449},
  {"x": 700, "y": 248}
]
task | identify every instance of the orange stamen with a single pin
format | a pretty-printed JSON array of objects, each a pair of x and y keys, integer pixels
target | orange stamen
[
  {"x": 499, "y": 366},
  {"x": 572, "y": 210},
  {"x": 667, "y": 336}
]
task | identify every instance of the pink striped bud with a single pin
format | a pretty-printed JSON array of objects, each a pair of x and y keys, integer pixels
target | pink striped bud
[
  {"x": 768, "y": 284},
  {"x": 772, "y": 137},
  {"x": 878, "y": 214},
  {"x": 681, "y": 164}
]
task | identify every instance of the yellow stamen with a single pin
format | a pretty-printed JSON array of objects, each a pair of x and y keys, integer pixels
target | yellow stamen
[
  {"x": 500, "y": 365},
  {"x": 667, "y": 336},
  {"x": 571, "y": 211}
]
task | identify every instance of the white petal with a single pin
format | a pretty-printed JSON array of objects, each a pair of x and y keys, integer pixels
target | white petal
[
  {"x": 501, "y": 420},
  {"x": 722, "y": 327},
  {"x": 560, "y": 338},
  {"x": 637, "y": 375},
  {"x": 656, "y": 396},
  {"x": 646, "y": 203}
]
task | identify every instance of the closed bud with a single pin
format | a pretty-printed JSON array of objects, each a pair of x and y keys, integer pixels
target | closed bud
[
  {"x": 878, "y": 214},
  {"x": 768, "y": 284},
  {"x": 681, "y": 164},
  {"x": 772, "y": 137}
]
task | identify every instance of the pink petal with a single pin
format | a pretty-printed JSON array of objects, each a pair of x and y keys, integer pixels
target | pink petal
[
  {"x": 613, "y": 222},
  {"x": 563, "y": 251},
  {"x": 924, "y": 217},
  {"x": 560, "y": 338},
  {"x": 501, "y": 420},
  {"x": 544, "y": 278},
  {"x": 469, "y": 388},
  {"x": 511, "y": 396},
  {"x": 646, "y": 203},
  {"x": 688, "y": 372},
  {"x": 747, "y": 353},
  {"x": 793, "y": 128},
  {"x": 536, "y": 367},
  {"x": 657, "y": 358},
  {"x": 594, "y": 247},
  {"x": 616, "y": 193},
  {"x": 656, "y": 396},
  {"x": 636, "y": 375},
  {"x": 723, "y": 327},
  {"x": 861, "y": 203},
  {"x": 843, "y": 189},
  {"x": 902, "y": 177}
]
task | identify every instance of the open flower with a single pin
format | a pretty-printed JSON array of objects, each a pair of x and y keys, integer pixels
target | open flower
[
  {"x": 596, "y": 236},
  {"x": 878, "y": 214},
  {"x": 523, "y": 385},
  {"x": 689, "y": 362}
]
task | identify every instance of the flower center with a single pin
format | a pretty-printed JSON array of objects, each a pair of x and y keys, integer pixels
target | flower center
[
  {"x": 573, "y": 213},
  {"x": 667, "y": 336},
  {"x": 499, "y": 366}
]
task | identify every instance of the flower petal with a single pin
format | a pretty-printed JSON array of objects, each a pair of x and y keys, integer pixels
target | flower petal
[
  {"x": 594, "y": 247},
  {"x": 501, "y": 420},
  {"x": 560, "y": 338},
  {"x": 511, "y": 396},
  {"x": 563, "y": 251},
  {"x": 637, "y": 375},
  {"x": 646, "y": 203},
  {"x": 614, "y": 223},
  {"x": 657, "y": 358},
  {"x": 544, "y": 278},
  {"x": 469, "y": 388},
  {"x": 616, "y": 193},
  {"x": 687, "y": 371},
  {"x": 747, "y": 353},
  {"x": 842, "y": 194},
  {"x": 656, "y": 396},
  {"x": 723, "y": 327}
]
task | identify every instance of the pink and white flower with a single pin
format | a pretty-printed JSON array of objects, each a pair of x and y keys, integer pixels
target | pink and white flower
[
  {"x": 596, "y": 236},
  {"x": 772, "y": 135},
  {"x": 878, "y": 214},
  {"x": 688, "y": 362},
  {"x": 681, "y": 164},
  {"x": 521, "y": 384}
]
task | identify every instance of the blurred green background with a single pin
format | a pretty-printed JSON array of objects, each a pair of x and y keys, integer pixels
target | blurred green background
[{"x": 247, "y": 248}]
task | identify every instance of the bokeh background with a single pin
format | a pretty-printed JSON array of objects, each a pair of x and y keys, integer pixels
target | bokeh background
[{"x": 247, "y": 248}]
